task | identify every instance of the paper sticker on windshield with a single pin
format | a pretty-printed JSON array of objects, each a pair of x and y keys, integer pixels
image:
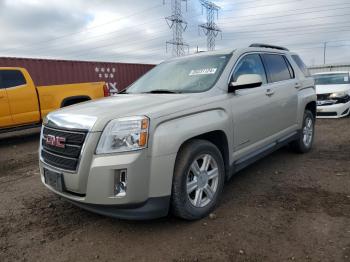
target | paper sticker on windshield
[
  {"x": 204, "y": 71},
  {"x": 346, "y": 79}
]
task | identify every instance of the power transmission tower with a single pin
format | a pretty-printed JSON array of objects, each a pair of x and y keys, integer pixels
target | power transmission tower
[
  {"x": 177, "y": 23},
  {"x": 211, "y": 30}
]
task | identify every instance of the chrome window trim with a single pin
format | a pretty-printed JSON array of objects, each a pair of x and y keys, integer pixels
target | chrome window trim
[{"x": 259, "y": 53}]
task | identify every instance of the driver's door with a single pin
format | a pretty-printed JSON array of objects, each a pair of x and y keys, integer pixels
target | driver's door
[{"x": 251, "y": 109}]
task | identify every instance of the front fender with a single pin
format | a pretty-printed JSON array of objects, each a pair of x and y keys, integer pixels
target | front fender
[{"x": 170, "y": 134}]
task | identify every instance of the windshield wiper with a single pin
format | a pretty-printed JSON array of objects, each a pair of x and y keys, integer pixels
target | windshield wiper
[{"x": 162, "y": 91}]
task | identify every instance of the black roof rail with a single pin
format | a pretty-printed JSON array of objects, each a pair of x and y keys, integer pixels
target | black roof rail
[{"x": 269, "y": 46}]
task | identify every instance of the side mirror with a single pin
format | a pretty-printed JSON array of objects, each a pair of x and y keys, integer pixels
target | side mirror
[{"x": 245, "y": 81}]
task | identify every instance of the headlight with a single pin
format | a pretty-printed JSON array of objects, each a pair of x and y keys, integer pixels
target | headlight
[
  {"x": 338, "y": 95},
  {"x": 124, "y": 134}
]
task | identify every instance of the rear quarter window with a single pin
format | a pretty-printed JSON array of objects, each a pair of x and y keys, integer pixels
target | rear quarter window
[
  {"x": 277, "y": 67},
  {"x": 11, "y": 78},
  {"x": 301, "y": 65}
]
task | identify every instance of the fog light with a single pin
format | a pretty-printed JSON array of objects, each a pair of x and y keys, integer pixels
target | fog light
[
  {"x": 120, "y": 183},
  {"x": 120, "y": 189}
]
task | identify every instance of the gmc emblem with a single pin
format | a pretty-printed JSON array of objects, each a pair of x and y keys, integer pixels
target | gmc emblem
[{"x": 56, "y": 141}]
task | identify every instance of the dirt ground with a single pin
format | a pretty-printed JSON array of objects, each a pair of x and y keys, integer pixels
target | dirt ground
[{"x": 286, "y": 207}]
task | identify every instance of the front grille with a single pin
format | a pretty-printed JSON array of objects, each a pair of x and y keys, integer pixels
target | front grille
[
  {"x": 66, "y": 157},
  {"x": 325, "y": 98}
]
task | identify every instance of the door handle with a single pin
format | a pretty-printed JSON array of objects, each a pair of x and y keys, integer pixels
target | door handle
[
  {"x": 269, "y": 92},
  {"x": 297, "y": 85}
]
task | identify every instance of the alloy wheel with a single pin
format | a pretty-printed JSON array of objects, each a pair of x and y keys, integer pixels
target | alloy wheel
[{"x": 202, "y": 180}]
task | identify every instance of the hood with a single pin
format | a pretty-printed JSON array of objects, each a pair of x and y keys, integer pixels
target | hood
[
  {"x": 93, "y": 115},
  {"x": 326, "y": 89}
]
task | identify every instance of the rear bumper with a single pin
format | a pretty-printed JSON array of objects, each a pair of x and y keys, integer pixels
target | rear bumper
[
  {"x": 333, "y": 111},
  {"x": 153, "y": 208}
]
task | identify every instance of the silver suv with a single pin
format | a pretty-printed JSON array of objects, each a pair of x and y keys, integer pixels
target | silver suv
[{"x": 171, "y": 140}]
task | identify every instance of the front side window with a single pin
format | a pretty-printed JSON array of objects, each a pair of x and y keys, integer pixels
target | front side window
[
  {"x": 277, "y": 67},
  {"x": 332, "y": 79},
  {"x": 185, "y": 75},
  {"x": 249, "y": 64},
  {"x": 11, "y": 78}
]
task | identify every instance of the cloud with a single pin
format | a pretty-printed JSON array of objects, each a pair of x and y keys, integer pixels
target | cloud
[{"x": 136, "y": 31}]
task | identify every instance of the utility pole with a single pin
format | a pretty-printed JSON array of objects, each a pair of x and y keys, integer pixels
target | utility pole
[
  {"x": 324, "y": 52},
  {"x": 211, "y": 30},
  {"x": 177, "y": 23}
]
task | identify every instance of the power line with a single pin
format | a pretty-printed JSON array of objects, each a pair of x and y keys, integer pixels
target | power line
[
  {"x": 89, "y": 29},
  {"x": 276, "y": 31},
  {"x": 120, "y": 40},
  {"x": 239, "y": 18},
  {"x": 152, "y": 20},
  {"x": 247, "y": 36},
  {"x": 294, "y": 35}
]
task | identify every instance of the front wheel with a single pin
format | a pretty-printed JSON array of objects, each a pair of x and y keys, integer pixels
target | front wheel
[
  {"x": 198, "y": 180},
  {"x": 304, "y": 143}
]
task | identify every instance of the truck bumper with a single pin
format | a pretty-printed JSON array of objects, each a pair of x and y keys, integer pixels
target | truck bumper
[{"x": 333, "y": 111}]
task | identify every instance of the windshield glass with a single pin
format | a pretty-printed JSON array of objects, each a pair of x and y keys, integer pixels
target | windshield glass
[
  {"x": 332, "y": 79},
  {"x": 188, "y": 75}
]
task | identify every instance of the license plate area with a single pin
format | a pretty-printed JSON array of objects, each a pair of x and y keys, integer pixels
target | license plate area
[{"x": 54, "y": 179}]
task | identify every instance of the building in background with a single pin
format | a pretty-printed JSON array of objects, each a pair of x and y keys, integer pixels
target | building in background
[
  {"x": 329, "y": 68},
  {"x": 54, "y": 72}
]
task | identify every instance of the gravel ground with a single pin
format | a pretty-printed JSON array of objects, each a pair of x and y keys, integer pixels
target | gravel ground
[{"x": 286, "y": 207}]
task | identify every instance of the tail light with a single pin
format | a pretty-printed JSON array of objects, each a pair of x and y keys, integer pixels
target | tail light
[{"x": 106, "y": 90}]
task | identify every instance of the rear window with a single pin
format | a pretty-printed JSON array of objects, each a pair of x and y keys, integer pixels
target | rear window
[
  {"x": 11, "y": 78},
  {"x": 277, "y": 68},
  {"x": 332, "y": 79},
  {"x": 301, "y": 65}
]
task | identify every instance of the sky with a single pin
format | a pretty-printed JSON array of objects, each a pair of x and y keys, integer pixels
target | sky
[{"x": 136, "y": 30}]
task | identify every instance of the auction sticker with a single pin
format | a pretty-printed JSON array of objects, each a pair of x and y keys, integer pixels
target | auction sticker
[{"x": 204, "y": 71}]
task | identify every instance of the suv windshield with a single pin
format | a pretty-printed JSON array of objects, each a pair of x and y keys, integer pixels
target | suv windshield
[
  {"x": 332, "y": 79},
  {"x": 187, "y": 75}
]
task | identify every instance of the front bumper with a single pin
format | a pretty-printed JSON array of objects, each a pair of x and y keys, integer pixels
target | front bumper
[
  {"x": 92, "y": 187},
  {"x": 153, "y": 208},
  {"x": 333, "y": 111}
]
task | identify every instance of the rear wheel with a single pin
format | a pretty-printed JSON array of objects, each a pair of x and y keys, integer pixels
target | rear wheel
[
  {"x": 198, "y": 180},
  {"x": 304, "y": 143}
]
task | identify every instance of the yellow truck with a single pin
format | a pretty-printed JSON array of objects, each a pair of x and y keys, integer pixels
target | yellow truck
[{"x": 24, "y": 105}]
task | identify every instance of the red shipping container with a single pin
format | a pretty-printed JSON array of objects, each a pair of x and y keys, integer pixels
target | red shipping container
[{"x": 55, "y": 72}]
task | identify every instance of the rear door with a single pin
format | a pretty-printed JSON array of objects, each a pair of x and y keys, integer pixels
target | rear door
[
  {"x": 22, "y": 97},
  {"x": 284, "y": 92},
  {"x": 5, "y": 114}
]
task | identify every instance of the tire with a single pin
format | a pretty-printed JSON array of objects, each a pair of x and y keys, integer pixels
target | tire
[
  {"x": 205, "y": 184},
  {"x": 304, "y": 143}
]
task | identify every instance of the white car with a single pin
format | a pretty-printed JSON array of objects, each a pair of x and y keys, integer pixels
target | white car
[{"x": 333, "y": 94}]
